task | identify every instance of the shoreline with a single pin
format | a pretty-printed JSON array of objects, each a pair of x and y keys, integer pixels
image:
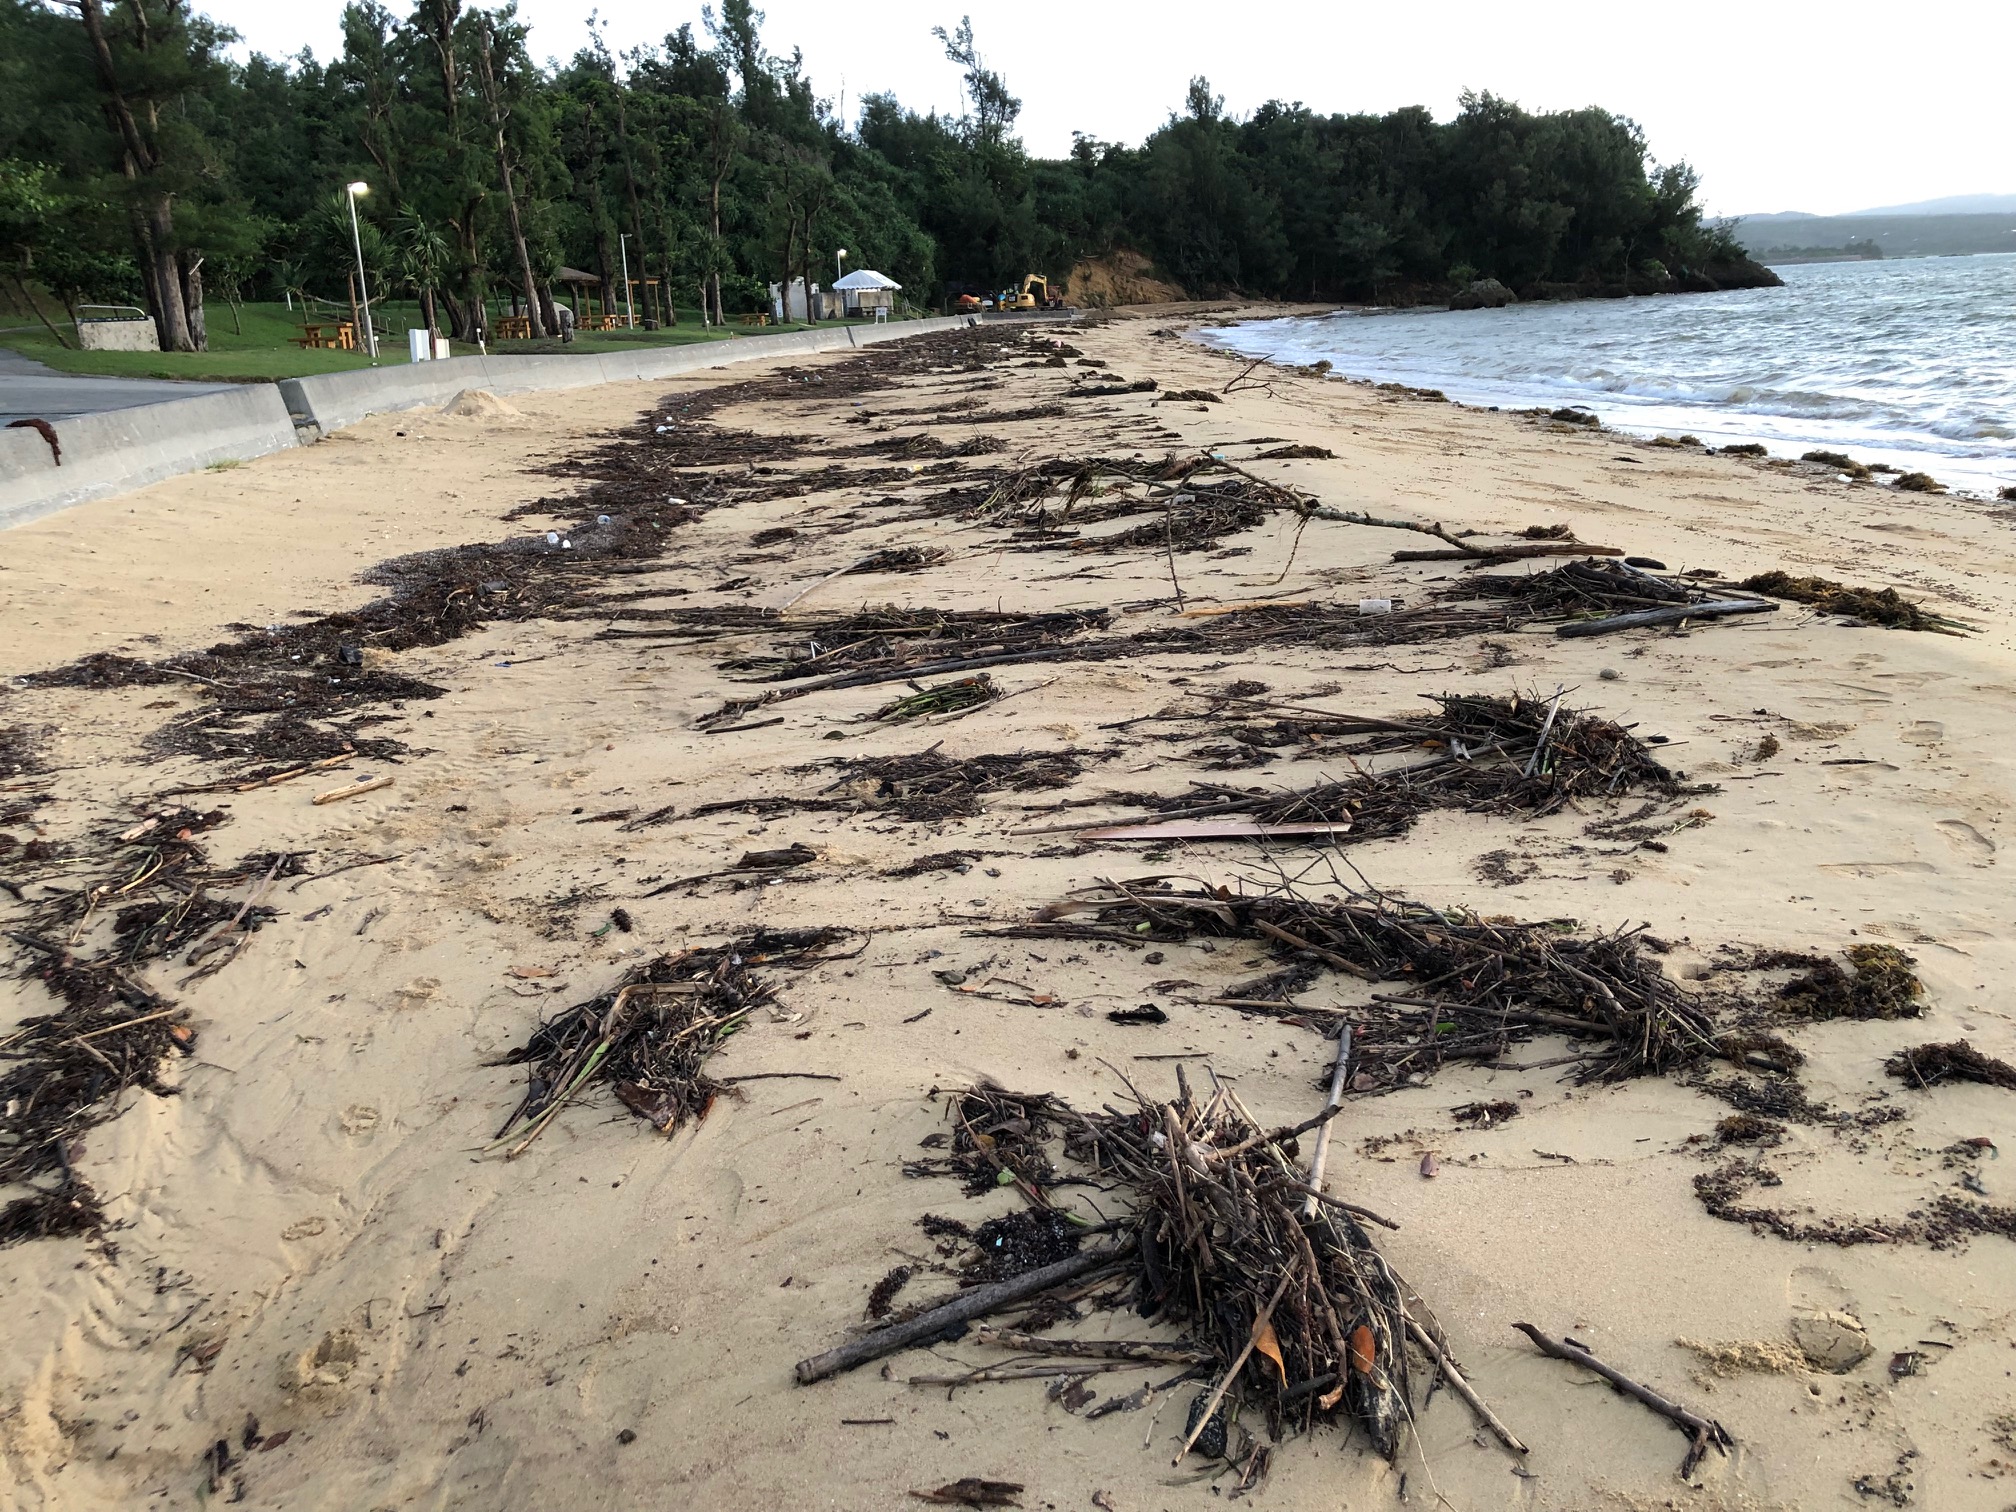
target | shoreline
[
  {"x": 1982, "y": 472},
  {"x": 310, "y": 1234}
]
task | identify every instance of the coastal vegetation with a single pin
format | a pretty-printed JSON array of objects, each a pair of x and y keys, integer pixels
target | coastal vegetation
[{"x": 141, "y": 164}]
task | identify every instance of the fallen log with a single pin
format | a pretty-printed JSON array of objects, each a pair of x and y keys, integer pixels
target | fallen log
[
  {"x": 968, "y": 1305},
  {"x": 1484, "y": 556},
  {"x": 1671, "y": 614}
]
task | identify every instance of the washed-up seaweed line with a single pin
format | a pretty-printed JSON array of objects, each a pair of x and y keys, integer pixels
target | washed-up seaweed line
[
  {"x": 649, "y": 1037},
  {"x": 1484, "y": 983}
]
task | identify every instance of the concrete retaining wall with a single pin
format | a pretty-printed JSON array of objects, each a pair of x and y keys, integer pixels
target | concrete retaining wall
[
  {"x": 331, "y": 401},
  {"x": 118, "y": 450}
]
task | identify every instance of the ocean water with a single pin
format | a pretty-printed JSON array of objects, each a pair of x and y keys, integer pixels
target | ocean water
[{"x": 1909, "y": 361}]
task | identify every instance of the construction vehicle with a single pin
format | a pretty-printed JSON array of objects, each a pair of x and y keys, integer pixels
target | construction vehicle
[{"x": 1033, "y": 295}]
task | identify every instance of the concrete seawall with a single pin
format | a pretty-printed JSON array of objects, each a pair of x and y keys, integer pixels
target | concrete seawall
[{"x": 120, "y": 450}]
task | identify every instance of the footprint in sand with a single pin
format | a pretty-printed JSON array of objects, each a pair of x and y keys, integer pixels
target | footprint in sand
[
  {"x": 1868, "y": 869},
  {"x": 1967, "y": 840},
  {"x": 1926, "y": 732}
]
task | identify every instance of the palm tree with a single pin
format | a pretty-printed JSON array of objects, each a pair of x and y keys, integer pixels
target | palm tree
[{"x": 424, "y": 255}]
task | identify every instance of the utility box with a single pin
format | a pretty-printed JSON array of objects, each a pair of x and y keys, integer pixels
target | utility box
[
  {"x": 420, "y": 345},
  {"x": 440, "y": 348}
]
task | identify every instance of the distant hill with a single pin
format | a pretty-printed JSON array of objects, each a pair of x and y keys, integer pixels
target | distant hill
[
  {"x": 1910, "y": 234},
  {"x": 1953, "y": 204}
]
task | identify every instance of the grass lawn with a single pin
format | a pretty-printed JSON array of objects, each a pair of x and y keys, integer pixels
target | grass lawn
[{"x": 256, "y": 347}]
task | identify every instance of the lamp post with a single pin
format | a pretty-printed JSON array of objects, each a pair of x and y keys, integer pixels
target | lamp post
[
  {"x": 623, "y": 250},
  {"x": 839, "y": 255},
  {"x": 363, "y": 284}
]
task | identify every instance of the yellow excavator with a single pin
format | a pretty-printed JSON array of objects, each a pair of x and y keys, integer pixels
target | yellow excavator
[{"x": 1034, "y": 295}]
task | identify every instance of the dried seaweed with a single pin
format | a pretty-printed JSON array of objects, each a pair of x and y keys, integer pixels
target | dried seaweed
[
  {"x": 1930, "y": 1065},
  {"x": 1881, "y": 985},
  {"x": 1875, "y": 606}
]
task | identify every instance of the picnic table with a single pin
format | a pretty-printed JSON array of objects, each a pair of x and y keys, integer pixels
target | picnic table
[
  {"x": 340, "y": 336},
  {"x": 757, "y": 319},
  {"x": 514, "y": 327}
]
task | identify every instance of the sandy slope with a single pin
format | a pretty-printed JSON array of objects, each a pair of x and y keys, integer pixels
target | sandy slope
[{"x": 437, "y": 1328}]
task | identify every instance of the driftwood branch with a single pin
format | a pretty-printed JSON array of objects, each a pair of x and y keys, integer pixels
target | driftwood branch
[
  {"x": 968, "y": 1305},
  {"x": 1704, "y": 1432},
  {"x": 1340, "y": 1074},
  {"x": 1671, "y": 614},
  {"x": 1463, "y": 1388},
  {"x": 1152, "y": 1350}
]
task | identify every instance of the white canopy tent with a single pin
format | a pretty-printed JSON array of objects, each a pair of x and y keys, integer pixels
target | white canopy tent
[{"x": 865, "y": 289}]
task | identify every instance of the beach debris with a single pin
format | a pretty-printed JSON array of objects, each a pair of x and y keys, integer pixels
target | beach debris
[
  {"x": 1703, "y": 1433},
  {"x": 972, "y": 1491},
  {"x": 922, "y": 788},
  {"x": 356, "y": 789},
  {"x": 900, "y": 559},
  {"x": 1874, "y": 606},
  {"x": 1677, "y": 614},
  {"x": 1287, "y": 1307},
  {"x": 649, "y": 1038},
  {"x": 1477, "y": 753},
  {"x": 921, "y": 1326},
  {"x": 1929, "y": 1065},
  {"x": 1471, "y": 988},
  {"x": 1593, "y": 587},
  {"x": 1918, "y": 482},
  {"x": 1879, "y": 984},
  {"x": 944, "y": 698}
]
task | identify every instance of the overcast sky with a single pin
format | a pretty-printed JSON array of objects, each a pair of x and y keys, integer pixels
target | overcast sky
[{"x": 1818, "y": 105}]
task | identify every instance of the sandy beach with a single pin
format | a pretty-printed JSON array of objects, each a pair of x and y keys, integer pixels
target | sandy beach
[{"x": 315, "y": 1254}]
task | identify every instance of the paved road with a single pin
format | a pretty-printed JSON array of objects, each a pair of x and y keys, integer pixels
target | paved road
[{"x": 30, "y": 389}]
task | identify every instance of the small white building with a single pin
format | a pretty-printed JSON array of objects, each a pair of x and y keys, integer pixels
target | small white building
[
  {"x": 789, "y": 303},
  {"x": 864, "y": 291}
]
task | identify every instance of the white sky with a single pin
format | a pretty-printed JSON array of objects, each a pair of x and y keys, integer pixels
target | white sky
[{"x": 1819, "y": 105}]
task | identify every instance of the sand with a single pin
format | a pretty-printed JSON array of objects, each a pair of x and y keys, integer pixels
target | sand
[{"x": 311, "y": 1233}]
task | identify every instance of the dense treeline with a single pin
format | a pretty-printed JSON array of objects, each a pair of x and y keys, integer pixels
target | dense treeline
[{"x": 139, "y": 163}]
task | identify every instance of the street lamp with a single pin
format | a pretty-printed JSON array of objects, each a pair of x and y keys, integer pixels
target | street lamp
[
  {"x": 839, "y": 254},
  {"x": 357, "y": 241},
  {"x": 623, "y": 249}
]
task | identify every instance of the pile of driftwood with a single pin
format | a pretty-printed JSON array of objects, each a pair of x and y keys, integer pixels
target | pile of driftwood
[
  {"x": 1598, "y": 597},
  {"x": 1288, "y": 1312},
  {"x": 649, "y": 1038},
  {"x": 1477, "y": 753},
  {"x": 1469, "y": 988}
]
